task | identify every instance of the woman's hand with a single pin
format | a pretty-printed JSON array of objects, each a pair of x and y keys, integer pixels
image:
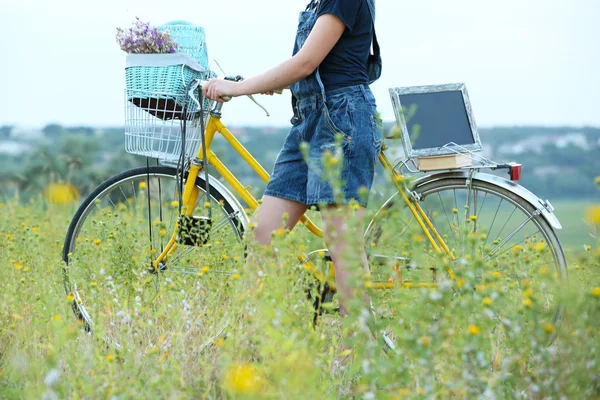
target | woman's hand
[{"x": 220, "y": 90}]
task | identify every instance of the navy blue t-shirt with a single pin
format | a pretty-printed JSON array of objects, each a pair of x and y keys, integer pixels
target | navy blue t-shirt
[{"x": 346, "y": 64}]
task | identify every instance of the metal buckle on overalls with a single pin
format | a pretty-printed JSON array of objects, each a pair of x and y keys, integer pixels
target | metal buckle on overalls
[{"x": 296, "y": 119}]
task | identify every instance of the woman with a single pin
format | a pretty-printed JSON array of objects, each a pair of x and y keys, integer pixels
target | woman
[{"x": 329, "y": 82}]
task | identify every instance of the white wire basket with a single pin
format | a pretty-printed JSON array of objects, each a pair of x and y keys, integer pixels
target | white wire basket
[{"x": 154, "y": 125}]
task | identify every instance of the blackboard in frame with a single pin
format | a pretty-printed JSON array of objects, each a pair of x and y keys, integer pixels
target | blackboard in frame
[{"x": 435, "y": 120}]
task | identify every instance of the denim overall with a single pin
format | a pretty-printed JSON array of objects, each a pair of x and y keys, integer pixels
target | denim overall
[{"x": 340, "y": 121}]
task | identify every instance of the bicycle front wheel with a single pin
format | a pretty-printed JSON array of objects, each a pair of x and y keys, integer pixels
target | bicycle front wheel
[
  {"x": 115, "y": 236},
  {"x": 505, "y": 251}
]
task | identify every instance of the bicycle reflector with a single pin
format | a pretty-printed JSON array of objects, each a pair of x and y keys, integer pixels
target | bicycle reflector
[{"x": 515, "y": 171}]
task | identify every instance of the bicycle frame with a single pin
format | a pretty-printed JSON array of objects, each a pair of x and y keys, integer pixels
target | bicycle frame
[{"x": 191, "y": 193}]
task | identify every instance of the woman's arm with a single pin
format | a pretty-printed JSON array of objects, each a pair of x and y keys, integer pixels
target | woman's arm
[{"x": 325, "y": 34}]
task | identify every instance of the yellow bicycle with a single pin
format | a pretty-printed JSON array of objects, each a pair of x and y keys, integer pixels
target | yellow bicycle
[{"x": 173, "y": 234}]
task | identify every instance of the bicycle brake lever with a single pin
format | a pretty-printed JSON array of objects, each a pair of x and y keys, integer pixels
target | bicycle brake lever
[{"x": 258, "y": 104}]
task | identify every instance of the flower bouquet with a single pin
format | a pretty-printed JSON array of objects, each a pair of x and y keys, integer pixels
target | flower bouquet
[{"x": 142, "y": 38}]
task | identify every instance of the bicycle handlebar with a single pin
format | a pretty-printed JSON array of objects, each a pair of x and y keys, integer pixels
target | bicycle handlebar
[{"x": 238, "y": 78}]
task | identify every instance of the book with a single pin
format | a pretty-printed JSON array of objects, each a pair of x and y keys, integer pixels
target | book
[{"x": 451, "y": 161}]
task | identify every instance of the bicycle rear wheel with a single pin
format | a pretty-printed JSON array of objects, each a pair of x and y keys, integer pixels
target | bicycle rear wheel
[
  {"x": 506, "y": 253},
  {"x": 112, "y": 241}
]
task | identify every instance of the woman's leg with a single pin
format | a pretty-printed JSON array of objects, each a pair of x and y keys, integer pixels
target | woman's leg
[
  {"x": 343, "y": 229},
  {"x": 268, "y": 217}
]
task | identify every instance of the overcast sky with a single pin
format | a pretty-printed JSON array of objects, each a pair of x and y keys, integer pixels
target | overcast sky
[{"x": 524, "y": 61}]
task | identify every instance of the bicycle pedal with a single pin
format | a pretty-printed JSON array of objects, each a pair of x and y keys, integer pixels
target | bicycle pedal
[{"x": 193, "y": 230}]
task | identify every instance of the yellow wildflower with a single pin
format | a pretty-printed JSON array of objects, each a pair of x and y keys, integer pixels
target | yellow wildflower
[
  {"x": 424, "y": 341},
  {"x": 205, "y": 269},
  {"x": 543, "y": 271},
  {"x": 17, "y": 266},
  {"x": 243, "y": 379},
  {"x": 142, "y": 185},
  {"x": 539, "y": 247},
  {"x": 596, "y": 292},
  {"x": 528, "y": 303},
  {"x": 61, "y": 193},
  {"x": 592, "y": 214},
  {"x": 473, "y": 217},
  {"x": 174, "y": 204},
  {"x": 487, "y": 301},
  {"x": 235, "y": 276},
  {"x": 418, "y": 238},
  {"x": 56, "y": 318},
  {"x": 517, "y": 248},
  {"x": 163, "y": 232},
  {"x": 280, "y": 232},
  {"x": 549, "y": 328},
  {"x": 455, "y": 210},
  {"x": 474, "y": 330},
  {"x": 109, "y": 357}
]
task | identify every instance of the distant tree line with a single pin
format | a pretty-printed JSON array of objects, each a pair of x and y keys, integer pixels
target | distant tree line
[{"x": 85, "y": 156}]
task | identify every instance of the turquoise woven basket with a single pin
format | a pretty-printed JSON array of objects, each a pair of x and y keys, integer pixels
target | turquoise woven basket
[
  {"x": 160, "y": 90},
  {"x": 190, "y": 38}
]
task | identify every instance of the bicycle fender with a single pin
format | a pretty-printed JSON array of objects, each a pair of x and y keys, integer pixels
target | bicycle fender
[{"x": 544, "y": 206}]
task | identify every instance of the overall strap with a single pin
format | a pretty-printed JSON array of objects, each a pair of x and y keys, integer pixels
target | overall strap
[{"x": 376, "y": 48}]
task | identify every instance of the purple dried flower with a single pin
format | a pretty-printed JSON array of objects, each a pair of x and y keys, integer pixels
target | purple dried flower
[{"x": 141, "y": 38}]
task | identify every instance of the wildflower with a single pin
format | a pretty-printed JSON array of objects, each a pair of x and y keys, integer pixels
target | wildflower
[
  {"x": 418, "y": 238},
  {"x": 597, "y": 180},
  {"x": 483, "y": 236},
  {"x": 97, "y": 242},
  {"x": 235, "y": 276},
  {"x": 543, "y": 271},
  {"x": 497, "y": 274},
  {"x": 35, "y": 229},
  {"x": 549, "y": 328},
  {"x": 587, "y": 247},
  {"x": 528, "y": 303},
  {"x": 280, "y": 232},
  {"x": 539, "y": 247},
  {"x": 163, "y": 232},
  {"x": 596, "y": 292},
  {"x": 17, "y": 266},
  {"x": 174, "y": 204},
  {"x": 142, "y": 185},
  {"x": 61, "y": 193},
  {"x": 110, "y": 357},
  {"x": 207, "y": 204},
  {"x": 592, "y": 215},
  {"x": 517, "y": 248},
  {"x": 70, "y": 298},
  {"x": 243, "y": 379},
  {"x": 455, "y": 210},
  {"x": 473, "y": 218},
  {"x": 205, "y": 269},
  {"x": 474, "y": 330},
  {"x": 487, "y": 301},
  {"x": 56, "y": 318},
  {"x": 424, "y": 341}
]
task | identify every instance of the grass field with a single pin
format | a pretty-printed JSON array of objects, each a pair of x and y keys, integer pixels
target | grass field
[
  {"x": 576, "y": 233},
  {"x": 479, "y": 336}
]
